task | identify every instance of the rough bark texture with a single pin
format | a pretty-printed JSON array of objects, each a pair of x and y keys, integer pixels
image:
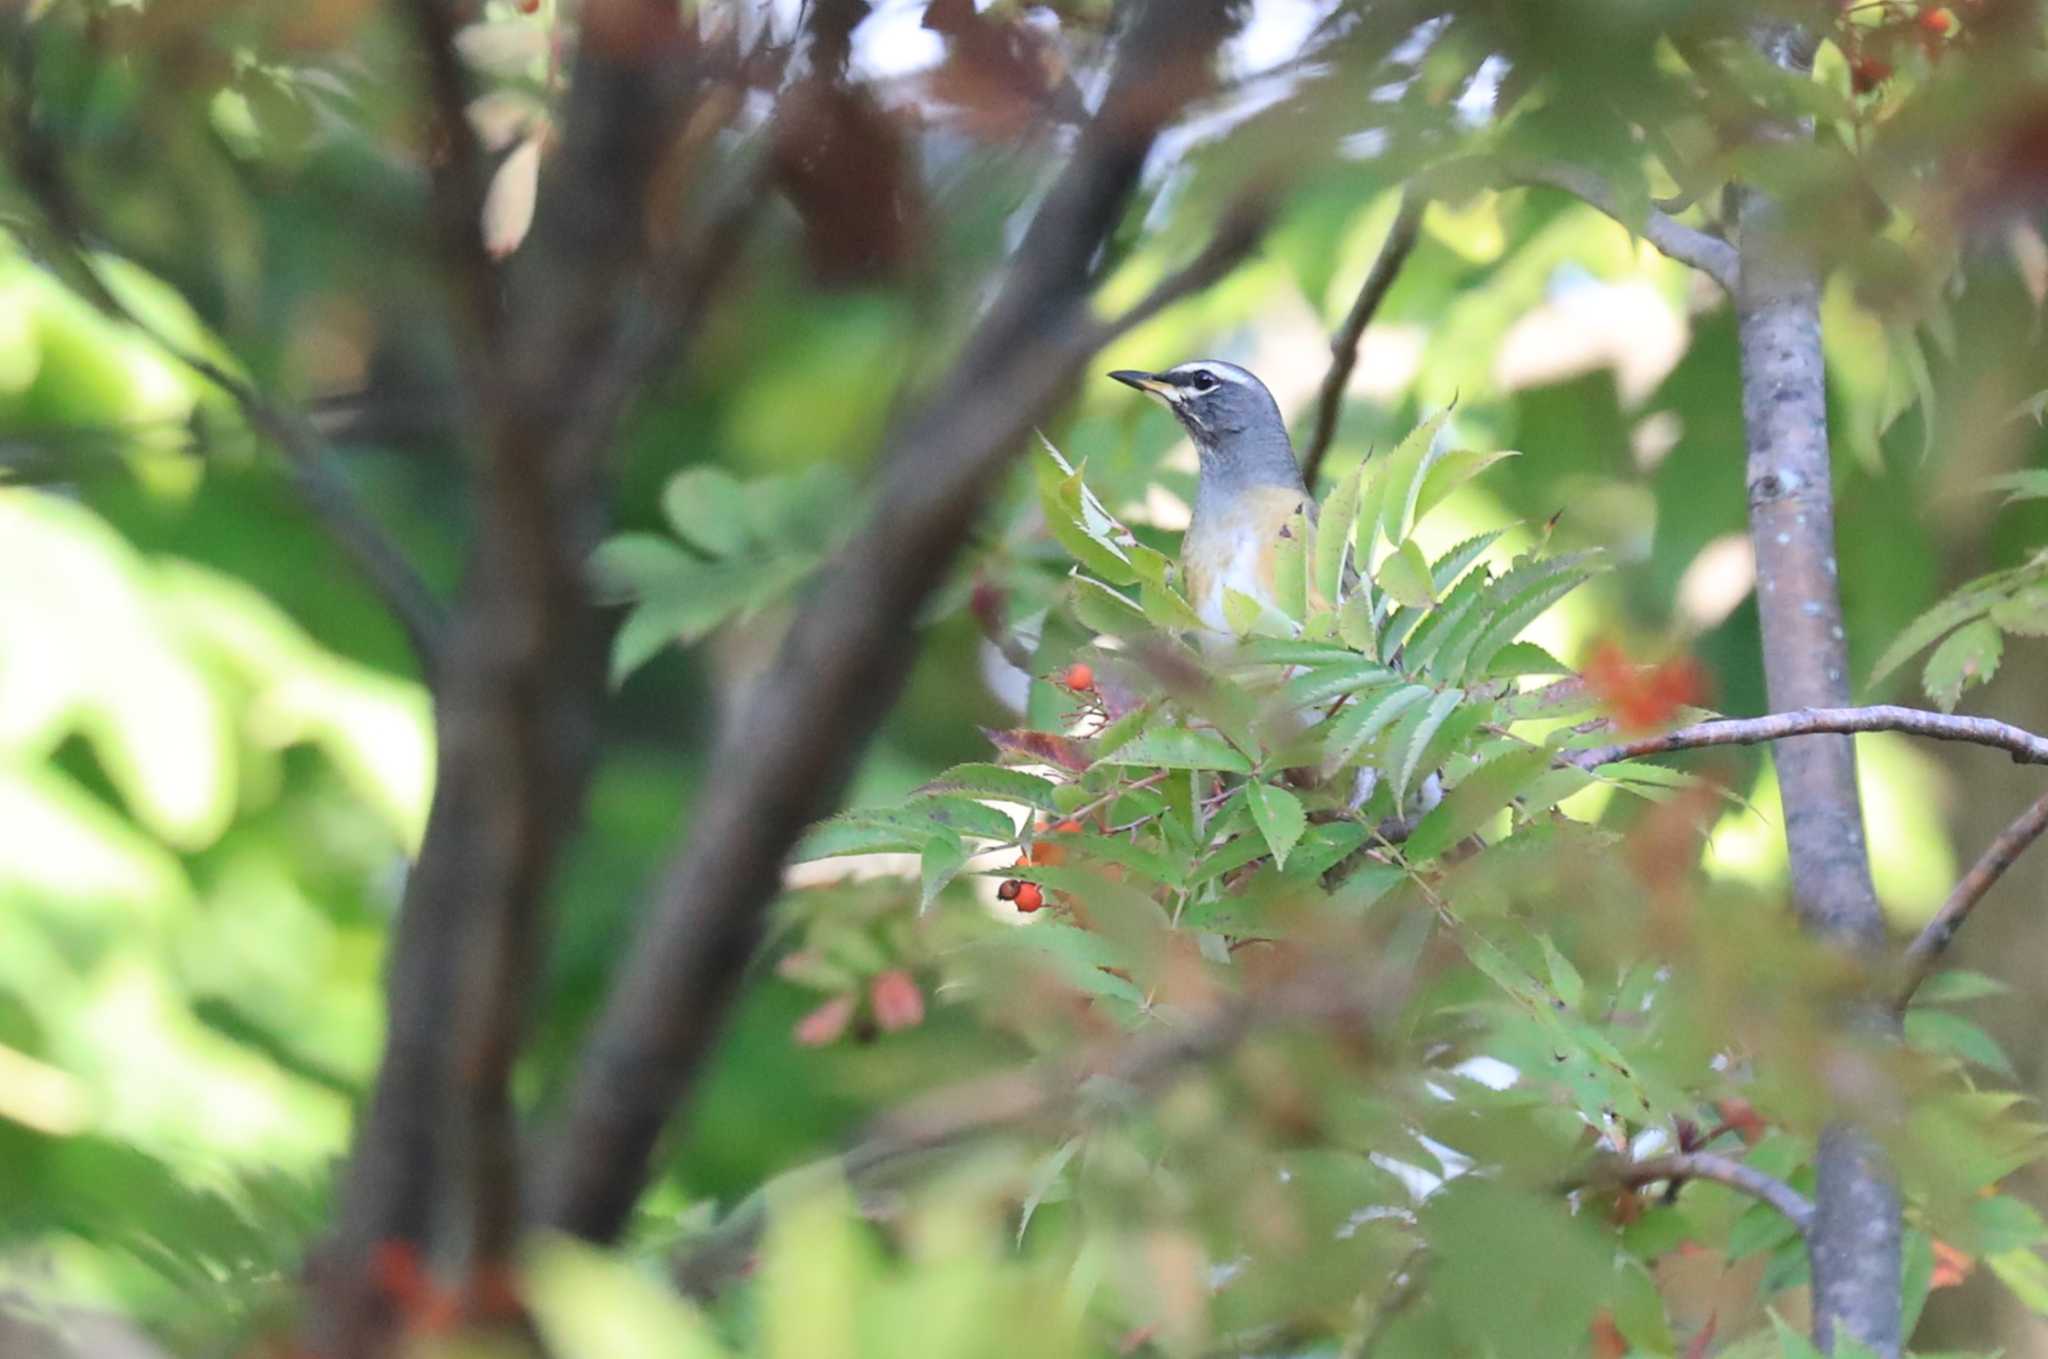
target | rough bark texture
[{"x": 1855, "y": 1240}]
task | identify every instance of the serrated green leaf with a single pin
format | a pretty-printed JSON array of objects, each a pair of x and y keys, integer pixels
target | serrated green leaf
[
  {"x": 1404, "y": 576},
  {"x": 1325, "y": 682},
  {"x": 1973, "y": 600},
  {"x": 993, "y": 780},
  {"x": 1179, "y": 748},
  {"x": 1355, "y": 621},
  {"x": 1333, "y": 544},
  {"x": 1447, "y": 473},
  {"x": 1509, "y": 621},
  {"x": 708, "y": 510},
  {"x": 943, "y": 857},
  {"x": 1403, "y": 474},
  {"x": 1291, "y": 651},
  {"x": 1166, "y": 610},
  {"x": 1416, "y": 738},
  {"x": 2025, "y": 613},
  {"x": 1460, "y": 608},
  {"x": 1279, "y": 817},
  {"x": 1105, "y": 611},
  {"x": 1361, "y": 720},
  {"x": 1564, "y": 978},
  {"x": 1523, "y": 658},
  {"x": 1940, "y": 1031},
  {"x": 1290, "y": 556},
  {"x": 1477, "y": 798},
  {"x": 1969, "y": 656},
  {"x": 1445, "y": 570},
  {"x": 1079, "y": 956}
]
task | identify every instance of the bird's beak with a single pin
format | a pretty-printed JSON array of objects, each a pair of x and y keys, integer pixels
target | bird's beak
[{"x": 1150, "y": 383}]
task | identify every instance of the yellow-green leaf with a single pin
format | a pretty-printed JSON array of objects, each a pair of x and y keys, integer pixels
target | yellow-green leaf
[{"x": 1405, "y": 576}]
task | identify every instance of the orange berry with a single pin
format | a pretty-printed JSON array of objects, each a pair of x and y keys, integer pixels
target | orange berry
[
  {"x": 1067, "y": 827},
  {"x": 1080, "y": 677},
  {"x": 1935, "y": 21},
  {"x": 1029, "y": 897}
]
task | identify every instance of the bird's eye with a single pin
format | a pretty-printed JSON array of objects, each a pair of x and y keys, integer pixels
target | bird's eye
[{"x": 1203, "y": 381}]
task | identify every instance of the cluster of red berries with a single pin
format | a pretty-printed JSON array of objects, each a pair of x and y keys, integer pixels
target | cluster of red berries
[
  {"x": 1029, "y": 896},
  {"x": 1929, "y": 24}
]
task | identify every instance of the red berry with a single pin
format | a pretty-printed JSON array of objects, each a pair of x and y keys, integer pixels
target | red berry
[
  {"x": 1029, "y": 897},
  {"x": 1008, "y": 891},
  {"x": 1080, "y": 677},
  {"x": 1067, "y": 828},
  {"x": 1867, "y": 73},
  {"x": 1935, "y": 21}
]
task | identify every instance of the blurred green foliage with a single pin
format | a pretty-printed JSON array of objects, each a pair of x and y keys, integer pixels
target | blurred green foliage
[{"x": 216, "y": 755}]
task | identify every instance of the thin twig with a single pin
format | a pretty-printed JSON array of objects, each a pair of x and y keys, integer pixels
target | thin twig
[
  {"x": 1925, "y": 951},
  {"x": 1709, "y": 254},
  {"x": 1379, "y": 281},
  {"x": 2024, "y": 746},
  {"x": 315, "y": 469},
  {"x": 1721, "y": 1170}
]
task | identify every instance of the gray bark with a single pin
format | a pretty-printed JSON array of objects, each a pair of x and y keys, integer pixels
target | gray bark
[{"x": 1855, "y": 1242}]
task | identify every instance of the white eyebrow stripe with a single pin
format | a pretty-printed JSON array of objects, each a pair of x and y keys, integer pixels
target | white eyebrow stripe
[{"x": 1223, "y": 372}]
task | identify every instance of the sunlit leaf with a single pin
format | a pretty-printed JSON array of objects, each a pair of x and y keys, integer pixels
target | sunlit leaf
[
  {"x": 1968, "y": 657},
  {"x": 1404, "y": 575},
  {"x": 1279, "y": 816},
  {"x": 1179, "y": 748}
]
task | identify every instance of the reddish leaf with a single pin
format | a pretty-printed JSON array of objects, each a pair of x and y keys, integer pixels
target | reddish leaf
[
  {"x": 1951, "y": 1266},
  {"x": 1642, "y": 698},
  {"x": 826, "y": 1023},
  {"x": 897, "y": 1002},
  {"x": 1608, "y": 1342},
  {"x": 1041, "y": 746},
  {"x": 1697, "y": 1349},
  {"x": 844, "y": 164}
]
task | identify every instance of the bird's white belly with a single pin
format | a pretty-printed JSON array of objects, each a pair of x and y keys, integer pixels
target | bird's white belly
[{"x": 1240, "y": 572}]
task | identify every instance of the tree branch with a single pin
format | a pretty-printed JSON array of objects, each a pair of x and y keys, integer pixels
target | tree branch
[
  {"x": 2024, "y": 746},
  {"x": 1042, "y": 1093},
  {"x": 1709, "y": 254},
  {"x": 1721, "y": 1170},
  {"x": 1926, "y": 950},
  {"x": 314, "y": 469},
  {"x": 1855, "y": 1243},
  {"x": 1379, "y": 280},
  {"x": 779, "y": 767},
  {"x": 436, "y": 1158},
  {"x": 459, "y": 183}
]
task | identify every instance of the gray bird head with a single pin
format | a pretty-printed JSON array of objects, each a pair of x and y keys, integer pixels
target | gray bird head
[{"x": 1232, "y": 418}]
